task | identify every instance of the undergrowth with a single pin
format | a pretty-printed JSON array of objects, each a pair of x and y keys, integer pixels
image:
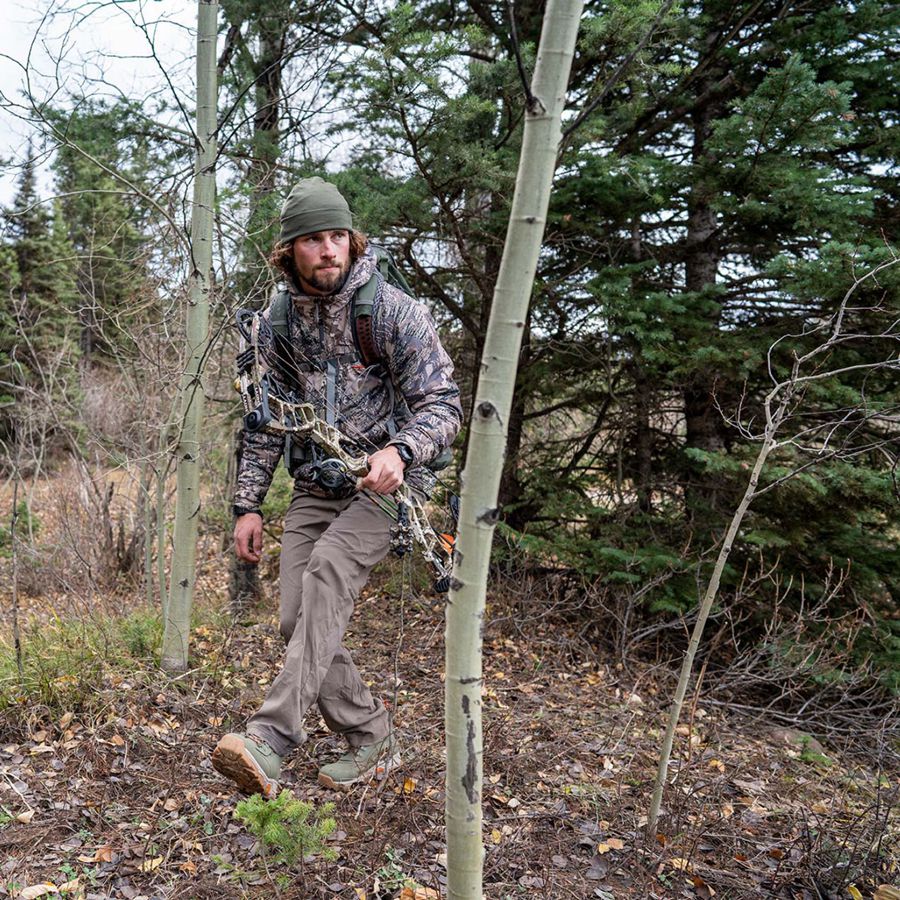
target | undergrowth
[
  {"x": 287, "y": 828},
  {"x": 67, "y": 663}
]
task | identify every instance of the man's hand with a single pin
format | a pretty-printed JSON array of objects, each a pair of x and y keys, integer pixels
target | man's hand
[
  {"x": 248, "y": 537},
  {"x": 385, "y": 471}
]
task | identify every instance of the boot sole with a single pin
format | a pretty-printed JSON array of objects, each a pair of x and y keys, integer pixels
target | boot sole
[
  {"x": 378, "y": 772},
  {"x": 233, "y": 760}
]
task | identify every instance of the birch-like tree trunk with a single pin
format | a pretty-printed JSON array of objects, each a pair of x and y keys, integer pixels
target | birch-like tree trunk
[
  {"x": 484, "y": 459},
  {"x": 187, "y": 504}
]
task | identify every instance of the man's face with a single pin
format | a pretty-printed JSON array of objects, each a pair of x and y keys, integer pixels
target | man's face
[{"x": 323, "y": 260}]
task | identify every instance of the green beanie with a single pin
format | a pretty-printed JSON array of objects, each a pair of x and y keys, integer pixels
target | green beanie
[{"x": 313, "y": 205}]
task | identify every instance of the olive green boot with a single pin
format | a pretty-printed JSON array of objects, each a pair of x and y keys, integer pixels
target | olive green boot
[
  {"x": 249, "y": 762},
  {"x": 361, "y": 764}
]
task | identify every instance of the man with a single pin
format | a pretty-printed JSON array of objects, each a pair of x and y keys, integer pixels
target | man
[{"x": 406, "y": 407}]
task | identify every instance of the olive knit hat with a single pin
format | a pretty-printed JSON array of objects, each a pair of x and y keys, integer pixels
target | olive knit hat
[{"x": 313, "y": 205}]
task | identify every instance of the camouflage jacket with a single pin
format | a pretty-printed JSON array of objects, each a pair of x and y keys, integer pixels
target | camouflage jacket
[{"x": 411, "y": 399}]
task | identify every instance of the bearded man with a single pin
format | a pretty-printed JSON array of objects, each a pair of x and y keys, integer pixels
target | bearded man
[{"x": 406, "y": 404}]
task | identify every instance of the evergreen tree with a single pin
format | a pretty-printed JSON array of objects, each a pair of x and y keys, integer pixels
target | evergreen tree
[
  {"x": 38, "y": 350},
  {"x": 108, "y": 224},
  {"x": 719, "y": 195}
]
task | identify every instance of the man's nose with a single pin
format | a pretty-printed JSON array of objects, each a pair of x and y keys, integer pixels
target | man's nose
[{"x": 328, "y": 248}]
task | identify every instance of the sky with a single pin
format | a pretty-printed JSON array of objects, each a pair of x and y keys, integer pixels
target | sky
[{"x": 89, "y": 48}]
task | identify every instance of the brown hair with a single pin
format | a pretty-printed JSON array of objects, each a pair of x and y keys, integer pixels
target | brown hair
[{"x": 282, "y": 256}]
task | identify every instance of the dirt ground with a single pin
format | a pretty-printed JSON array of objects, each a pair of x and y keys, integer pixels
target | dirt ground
[{"x": 121, "y": 800}]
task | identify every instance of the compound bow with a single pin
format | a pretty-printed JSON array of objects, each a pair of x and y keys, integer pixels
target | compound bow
[{"x": 271, "y": 408}]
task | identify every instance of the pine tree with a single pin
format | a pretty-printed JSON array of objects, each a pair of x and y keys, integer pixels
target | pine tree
[
  {"x": 107, "y": 224},
  {"x": 39, "y": 350}
]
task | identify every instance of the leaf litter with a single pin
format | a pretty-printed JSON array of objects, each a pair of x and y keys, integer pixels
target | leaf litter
[{"x": 121, "y": 801}]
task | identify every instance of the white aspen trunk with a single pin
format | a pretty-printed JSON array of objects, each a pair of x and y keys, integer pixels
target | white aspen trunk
[
  {"x": 146, "y": 514},
  {"x": 161, "y": 472},
  {"x": 187, "y": 504},
  {"x": 484, "y": 459}
]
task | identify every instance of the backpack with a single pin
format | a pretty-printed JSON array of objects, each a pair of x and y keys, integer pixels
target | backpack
[{"x": 361, "y": 310}]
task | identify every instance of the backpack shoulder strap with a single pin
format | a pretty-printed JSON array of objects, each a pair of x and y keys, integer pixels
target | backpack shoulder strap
[
  {"x": 386, "y": 271},
  {"x": 361, "y": 319},
  {"x": 278, "y": 314},
  {"x": 278, "y": 319}
]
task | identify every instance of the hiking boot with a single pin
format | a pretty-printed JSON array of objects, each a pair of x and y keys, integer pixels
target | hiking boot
[
  {"x": 361, "y": 764},
  {"x": 249, "y": 762}
]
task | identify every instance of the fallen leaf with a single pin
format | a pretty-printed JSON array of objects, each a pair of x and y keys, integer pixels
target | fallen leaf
[
  {"x": 419, "y": 893},
  {"x": 66, "y": 720},
  {"x": 117, "y": 740},
  {"x": 603, "y": 848},
  {"x": 678, "y": 863},
  {"x": 70, "y": 886},
  {"x": 25, "y": 817},
  {"x": 495, "y": 836},
  {"x": 717, "y": 764},
  {"x": 188, "y": 867},
  {"x": 171, "y": 804},
  {"x": 409, "y": 785},
  {"x": 853, "y": 891},
  {"x": 150, "y": 865},
  {"x": 615, "y": 843},
  {"x": 886, "y": 892},
  {"x": 38, "y": 890},
  {"x": 597, "y": 870},
  {"x": 360, "y": 894},
  {"x": 727, "y": 810}
]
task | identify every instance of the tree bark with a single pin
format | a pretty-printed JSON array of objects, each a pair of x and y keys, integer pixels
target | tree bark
[
  {"x": 703, "y": 424},
  {"x": 484, "y": 460},
  {"x": 187, "y": 506}
]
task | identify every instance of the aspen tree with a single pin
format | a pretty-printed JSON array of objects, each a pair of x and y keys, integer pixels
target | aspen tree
[
  {"x": 187, "y": 504},
  {"x": 484, "y": 460}
]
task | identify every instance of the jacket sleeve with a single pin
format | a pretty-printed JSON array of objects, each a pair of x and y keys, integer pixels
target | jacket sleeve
[
  {"x": 423, "y": 373},
  {"x": 260, "y": 450}
]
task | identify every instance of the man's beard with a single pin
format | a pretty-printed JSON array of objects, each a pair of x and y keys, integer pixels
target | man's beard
[{"x": 330, "y": 280}]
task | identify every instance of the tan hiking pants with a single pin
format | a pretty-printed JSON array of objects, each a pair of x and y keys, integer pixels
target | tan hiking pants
[{"x": 327, "y": 552}]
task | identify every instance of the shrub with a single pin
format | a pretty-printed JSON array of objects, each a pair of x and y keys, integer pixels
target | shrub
[{"x": 287, "y": 827}]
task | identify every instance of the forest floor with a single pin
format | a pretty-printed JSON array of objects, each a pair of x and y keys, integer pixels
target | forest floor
[{"x": 116, "y": 796}]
